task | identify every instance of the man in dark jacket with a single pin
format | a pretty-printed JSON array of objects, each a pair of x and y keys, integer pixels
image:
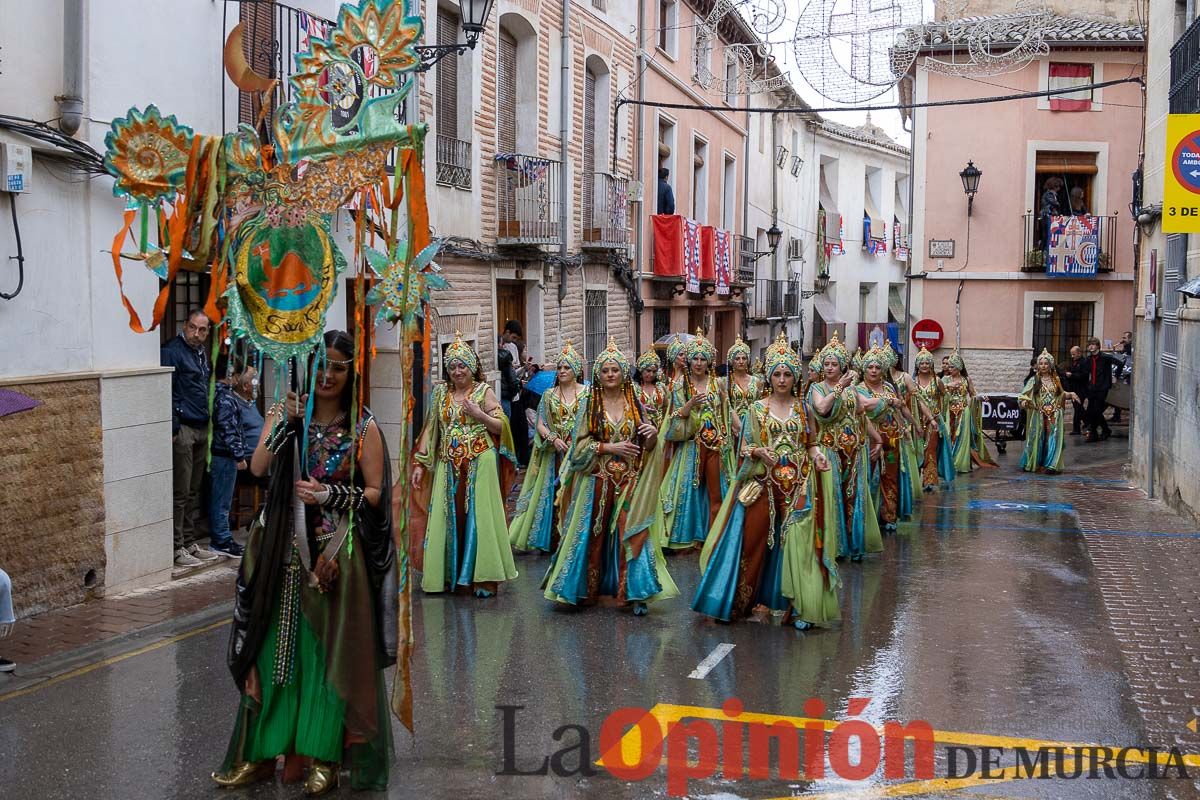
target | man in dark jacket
[
  {"x": 1074, "y": 380},
  {"x": 230, "y": 454},
  {"x": 1098, "y": 371},
  {"x": 666, "y": 195},
  {"x": 189, "y": 426}
]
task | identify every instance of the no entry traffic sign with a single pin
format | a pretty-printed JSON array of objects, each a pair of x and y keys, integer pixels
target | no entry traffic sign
[
  {"x": 927, "y": 333},
  {"x": 1181, "y": 185}
]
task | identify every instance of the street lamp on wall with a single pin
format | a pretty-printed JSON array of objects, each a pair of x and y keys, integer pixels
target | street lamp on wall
[
  {"x": 773, "y": 237},
  {"x": 475, "y": 15},
  {"x": 970, "y": 180}
]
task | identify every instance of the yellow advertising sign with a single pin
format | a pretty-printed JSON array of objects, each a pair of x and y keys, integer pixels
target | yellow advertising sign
[{"x": 1181, "y": 178}]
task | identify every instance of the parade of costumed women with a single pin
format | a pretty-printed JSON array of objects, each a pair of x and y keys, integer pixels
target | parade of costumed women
[
  {"x": 741, "y": 385},
  {"x": 910, "y": 466},
  {"x": 309, "y": 641},
  {"x": 962, "y": 416},
  {"x": 533, "y": 527},
  {"x": 1045, "y": 402},
  {"x": 464, "y": 469},
  {"x": 850, "y": 442},
  {"x": 611, "y": 484},
  {"x": 702, "y": 464},
  {"x": 891, "y": 486},
  {"x": 649, "y": 388},
  {"x": 768, "y": 552},
  {"x": 928, "y": 406}
]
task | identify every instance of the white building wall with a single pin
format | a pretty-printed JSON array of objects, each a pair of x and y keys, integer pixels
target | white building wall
[{"x": 856, "y": 267}]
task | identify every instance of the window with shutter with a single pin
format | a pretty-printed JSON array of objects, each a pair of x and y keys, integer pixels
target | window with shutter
[
  {"x": 589, "y": 145},
  {"x": 506, "y": 94},
  {"x": 447, "y": 75},
  {"x": 258, "y": 43}
]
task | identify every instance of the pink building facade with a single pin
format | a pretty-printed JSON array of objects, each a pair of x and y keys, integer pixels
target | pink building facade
[
  {"x": 994, "y": 297},
  {"x": 705, "y": 153}
]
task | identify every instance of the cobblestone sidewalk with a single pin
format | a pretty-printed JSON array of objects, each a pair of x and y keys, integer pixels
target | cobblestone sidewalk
[{"x": 59, "y": 631}]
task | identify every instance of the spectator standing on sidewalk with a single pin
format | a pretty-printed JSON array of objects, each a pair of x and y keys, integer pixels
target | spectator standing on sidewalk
[
  {"x": 189, "y": 427},
  {"x": 230, "y": 454},
  {"x": 1098, "y": 370},
  {"x": 6, "y": 617},
  {"x": 245, "y": 391},
  {"x": 1075, "y": 380}
]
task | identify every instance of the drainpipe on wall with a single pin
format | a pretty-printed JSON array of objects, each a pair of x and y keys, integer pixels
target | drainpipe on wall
[
  {"x": 775, "y": 205},
  {"x": 639, "y": 170},
  {"x": 564, "y": 94},
  {"x": 746, "y": 214},
  {"x": 905, "y": 339},
  {"x": 70, "y": 102}
]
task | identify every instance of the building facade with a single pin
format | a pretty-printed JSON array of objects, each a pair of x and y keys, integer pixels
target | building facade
[
  {"x": 529, "y": 176},
  {"x": 705, "y": 155},
  {"x": 1165, "y": 448},
  {"x": 859, "y": 244},
  {"x": 988, "y": 279}
]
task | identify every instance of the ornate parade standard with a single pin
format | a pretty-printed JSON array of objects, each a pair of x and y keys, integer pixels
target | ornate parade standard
[{"x": 258, "y": 215}]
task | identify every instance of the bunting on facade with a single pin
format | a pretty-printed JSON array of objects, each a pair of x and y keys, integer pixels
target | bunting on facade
[
  {"x": 722, "y": 254},
  {"x": 836, "y": 247},
  {"x": 691, "y": 255},
  {"x": 898, "y": 243}
]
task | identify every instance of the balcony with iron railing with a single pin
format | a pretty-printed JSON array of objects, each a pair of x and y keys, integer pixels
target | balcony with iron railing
[
  {"x": 774, "y": 299},
  {"x": 1184, "y": 94},
  {"x": 1100, "y": 244},
  {"x": 453, "y": 162},
  {"x": 745, "y": 259},
  {"x": 528, "y": 200},
  {"x": 605, "y": 211}
]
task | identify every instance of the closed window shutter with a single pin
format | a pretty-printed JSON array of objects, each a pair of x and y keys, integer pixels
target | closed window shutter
[
  {"x": 258, "y": 43},
  {"x": 589, "y": 144},
  {"x": 506, "y": 95},
  {"x": 447, "y": 76}
]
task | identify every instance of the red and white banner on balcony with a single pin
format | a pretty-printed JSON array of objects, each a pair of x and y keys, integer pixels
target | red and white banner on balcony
[
  {"x": 1064, "y": 76},
  {"x": 834, "y": 247},
  {"x": 691, "y": 255},
  {"x": 722, "y": 255},
  {"x": 901, "y": 247}
]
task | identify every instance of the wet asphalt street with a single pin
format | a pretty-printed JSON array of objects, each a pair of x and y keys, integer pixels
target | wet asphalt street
[{"x": 982, "y": 617}]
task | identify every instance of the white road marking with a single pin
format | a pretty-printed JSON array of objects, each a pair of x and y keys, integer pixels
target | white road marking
[{"x": 711, "y": 660}]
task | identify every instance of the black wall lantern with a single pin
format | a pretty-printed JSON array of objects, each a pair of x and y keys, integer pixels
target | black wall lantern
[
  {"x": 970, "y": 181},
  {"x": 474, "y": 19},
  {"x": 773, "y": 236}
]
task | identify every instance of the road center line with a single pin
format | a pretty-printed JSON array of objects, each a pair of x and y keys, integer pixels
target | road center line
[{"x": 711, "y": 660}]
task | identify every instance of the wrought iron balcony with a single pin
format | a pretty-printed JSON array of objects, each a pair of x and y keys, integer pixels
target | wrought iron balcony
[
  {"x": 746, "y": 258},
  {"x": 775, "y": 299},
  {"x": 605, "y": 211},
  {"x": 528, "y": 200},
  {"x": 1034, "y": 246},
  {"x": 453, "y": 162}
]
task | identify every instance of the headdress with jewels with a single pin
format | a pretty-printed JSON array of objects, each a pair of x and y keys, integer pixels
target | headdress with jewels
[
  {"x": 890, "y": 355},
  {"x": 571, "y": 358},
  {"x": 701, "y": 346},
  {"x": 957, "y": 362},
  {"x": 835, "y": 350},
  {"x": 647, "y": 360},
  {"x": 674, "y": 349},
  {"x": 856, "y": 360},
  {"x": 739, "y": 348},
  {"x": 814, "y": 363},
  {"x": 611, "y": 354},
  {"x": 1046, "y": 356},
  {"x": 874, "y": 356},
  {"x": 460, "y": 351},
  {"x": 924, "y": 356},
  {"x": 781, "y": 354}
]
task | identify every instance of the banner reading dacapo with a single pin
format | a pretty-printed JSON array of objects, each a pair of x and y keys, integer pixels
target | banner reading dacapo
[{"x": 1181, "y": 178}]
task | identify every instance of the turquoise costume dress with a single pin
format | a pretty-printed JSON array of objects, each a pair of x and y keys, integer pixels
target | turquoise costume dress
[
  {"x": 962, "y": 425},
  {"x": 769, "y": 546},
  {"x": 1045, "y": 409},
  {"x": 702, "y": 463},
  {"x": 937, "y": 460},
  {"x": 842, "y": 435},
  {"x": 602, "y": 553},
  {"x": 892, "y": 475},
  {"x": 464, "y": 530},
  {"x": 741, "y": 399},
  {"x": 654, "y": 400},
  {"x": 533, "y": 526}
]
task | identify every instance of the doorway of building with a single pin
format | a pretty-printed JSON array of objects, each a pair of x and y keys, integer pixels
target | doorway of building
[
  {"x": 510, "y": 304},
  {"x": 1058, "y": 327}
]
